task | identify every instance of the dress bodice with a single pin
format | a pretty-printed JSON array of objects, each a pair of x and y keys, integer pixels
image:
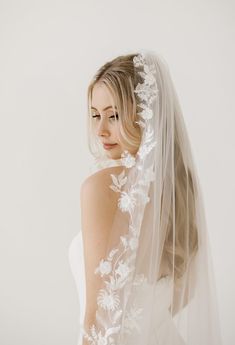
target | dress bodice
[{"x": 164, "y": 324}]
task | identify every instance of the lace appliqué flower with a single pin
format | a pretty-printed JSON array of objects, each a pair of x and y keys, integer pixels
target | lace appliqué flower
[
  {"x": 108, "y": 300},
  {"x": 118, "y": 181},
  {"x": 127, "y": 159},
  {"x": 127, "y": 201}
]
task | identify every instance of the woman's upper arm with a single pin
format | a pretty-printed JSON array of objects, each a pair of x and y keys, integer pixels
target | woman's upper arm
[{"x": 98, "y": 205}]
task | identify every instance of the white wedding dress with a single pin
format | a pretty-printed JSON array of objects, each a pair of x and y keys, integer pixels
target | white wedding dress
[
  {"x": 164, "y": 326},
  {"x": 76, "y": 260}
]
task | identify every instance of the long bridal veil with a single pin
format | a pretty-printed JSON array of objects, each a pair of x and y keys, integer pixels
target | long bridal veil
[{"x": 156, "y": 279}]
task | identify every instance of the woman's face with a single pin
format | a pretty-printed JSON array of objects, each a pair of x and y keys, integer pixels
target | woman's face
[{"x": 103, "y": 118}]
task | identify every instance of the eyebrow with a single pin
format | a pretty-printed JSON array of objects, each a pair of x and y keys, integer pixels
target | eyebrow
[{"x": 109, "y": 106}]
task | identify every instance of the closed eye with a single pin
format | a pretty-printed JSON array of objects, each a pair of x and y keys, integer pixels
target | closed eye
[
  {"x": 110, "y": 117},
  {"x": 114, "y": 116}
]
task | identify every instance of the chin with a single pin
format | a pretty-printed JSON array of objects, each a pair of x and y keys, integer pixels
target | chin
[{"x": 114, "y": 155}]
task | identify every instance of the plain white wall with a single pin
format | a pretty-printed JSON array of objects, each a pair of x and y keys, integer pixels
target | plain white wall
[{"x": 49, "y": 51}]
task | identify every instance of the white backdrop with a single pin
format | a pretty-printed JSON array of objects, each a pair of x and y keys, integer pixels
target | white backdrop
[{"x": 49, "y": 50}]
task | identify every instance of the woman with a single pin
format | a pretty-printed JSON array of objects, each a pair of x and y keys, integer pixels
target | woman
[{"x": 147, "y": 275}]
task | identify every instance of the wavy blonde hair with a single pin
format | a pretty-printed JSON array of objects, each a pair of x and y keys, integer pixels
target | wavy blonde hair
[{"x": 119, "y": 77}]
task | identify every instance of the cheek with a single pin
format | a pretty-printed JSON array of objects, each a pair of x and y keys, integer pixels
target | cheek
[{"x": 116, "y": 133}]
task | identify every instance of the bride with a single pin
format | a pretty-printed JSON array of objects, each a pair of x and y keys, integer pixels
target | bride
[{"x": 141, "y": 260}]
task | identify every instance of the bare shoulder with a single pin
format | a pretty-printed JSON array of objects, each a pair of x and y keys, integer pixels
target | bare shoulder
[
  {"x": 100, "y": 181},
  {"x": 98, "y": 200}
]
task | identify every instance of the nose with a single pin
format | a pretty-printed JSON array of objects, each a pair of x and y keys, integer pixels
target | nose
[{"x": 102, "y": 129}]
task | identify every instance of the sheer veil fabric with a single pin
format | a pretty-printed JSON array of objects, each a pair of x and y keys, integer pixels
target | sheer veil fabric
[{"x": 157, "y": 281}]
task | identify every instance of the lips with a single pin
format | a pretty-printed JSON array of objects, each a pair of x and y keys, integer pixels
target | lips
[{"x": 108, "y": 146}]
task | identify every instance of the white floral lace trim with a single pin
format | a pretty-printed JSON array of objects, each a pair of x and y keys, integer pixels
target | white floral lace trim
[{"x": 118, "y": 267}]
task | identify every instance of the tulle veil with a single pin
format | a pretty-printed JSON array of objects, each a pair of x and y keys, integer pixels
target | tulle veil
[{"x": 157, "y": 278}]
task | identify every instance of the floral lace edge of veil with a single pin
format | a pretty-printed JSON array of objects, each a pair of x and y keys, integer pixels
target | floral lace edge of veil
[{"x": 118, "y": 274}]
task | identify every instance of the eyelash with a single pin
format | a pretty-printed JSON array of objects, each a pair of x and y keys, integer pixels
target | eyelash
[{"x": 111, "y": 117}]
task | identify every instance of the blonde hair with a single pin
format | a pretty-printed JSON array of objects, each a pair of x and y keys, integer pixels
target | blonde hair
[{"x": 119, "y": 77}]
